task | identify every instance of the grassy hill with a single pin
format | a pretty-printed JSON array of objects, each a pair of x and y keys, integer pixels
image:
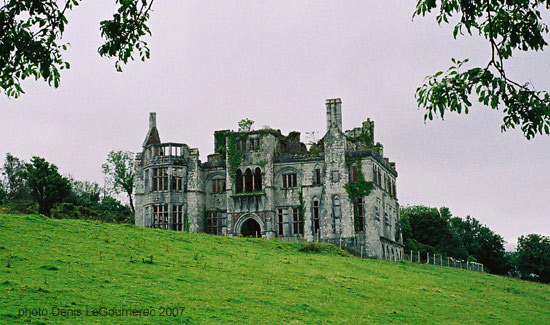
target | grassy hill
[{"x": 72, "y": 265}]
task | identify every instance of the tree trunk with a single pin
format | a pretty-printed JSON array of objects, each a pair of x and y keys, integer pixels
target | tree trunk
[{"x": 131, "y": 202}]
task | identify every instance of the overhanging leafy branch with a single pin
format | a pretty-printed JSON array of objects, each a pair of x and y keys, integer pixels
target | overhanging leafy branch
[{"x": 508, "y": 26}]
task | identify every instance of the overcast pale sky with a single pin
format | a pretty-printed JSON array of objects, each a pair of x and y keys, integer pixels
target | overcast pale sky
[{"x": 216, "y": 62}]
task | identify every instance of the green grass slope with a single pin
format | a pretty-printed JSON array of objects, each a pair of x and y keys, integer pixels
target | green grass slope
[{"x": 80, "y": 267}]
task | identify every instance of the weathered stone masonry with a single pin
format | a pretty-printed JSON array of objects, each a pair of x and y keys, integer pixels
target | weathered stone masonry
[{"x": 262, "y": 183}]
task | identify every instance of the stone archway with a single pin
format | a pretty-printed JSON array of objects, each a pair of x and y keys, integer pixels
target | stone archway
[
  {"x": 249, "y": 225},
  {"x": 251, "y": 228}
]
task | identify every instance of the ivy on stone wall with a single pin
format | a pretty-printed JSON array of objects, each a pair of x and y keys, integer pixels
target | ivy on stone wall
[
  {"x": 219, "y": 141},
  {"x": 186, "y": 225},
  {"x": 364, "y": 137},
  {"x": 358, "y": 189},
  {"x": 234, "y": 156}
]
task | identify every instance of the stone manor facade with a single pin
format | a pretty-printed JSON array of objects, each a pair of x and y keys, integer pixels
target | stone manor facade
[{"x": 341, "y": 190}]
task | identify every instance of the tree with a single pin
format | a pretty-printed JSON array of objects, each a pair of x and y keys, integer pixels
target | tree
[
  {"x": 120, "y": 169},
  {"x": 3, "y": 191},
  {"x": 425, "y": 229},
  {"x": 46, "y": 184},
  {"x": 245, "y": 125},
  {"x": 436, "y": 231},
  {"x": 15, "y": 184},
  {"x": 31, "y": 32},
  {"x": 84, "y": 193},
  {"x": 533, "y": 257},
  {"x": 508, "y": 26},
  {"x": 482, "y": 244}
]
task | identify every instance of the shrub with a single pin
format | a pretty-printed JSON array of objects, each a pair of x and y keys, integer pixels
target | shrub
[
  {"x": 19, "y": 207},
  {"x": 310, "y": 248}
]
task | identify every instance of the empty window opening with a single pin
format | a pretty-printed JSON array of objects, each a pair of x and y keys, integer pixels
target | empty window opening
[
  {"x": 160, "y": 179},
  {"x": 359, "y": 214},
  {"x": 257, "y": 181},
  {"x": 239, "y": 185},
  {"x": 316, "y": 219},
  {"x": 160, "y": 216},
  {"x": 317, "y": 177},
  {"x": 212, "y": 222},
  {"x": 290, "y": 180},
  {"x": 255, "y": 144},
  {"x": 280, "y": 221},
  {"x": 218, "y": 185},
  {"x": 248, "y": 180},
  {"x": 297, "y": 228},
  {"x": 177, "y": 180},
  {"x": 177, "y": 218}
]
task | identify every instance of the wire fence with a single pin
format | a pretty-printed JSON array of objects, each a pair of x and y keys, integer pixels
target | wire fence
[{"x": 438, "y": 259}]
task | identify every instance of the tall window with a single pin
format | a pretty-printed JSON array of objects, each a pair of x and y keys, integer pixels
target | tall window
[
  {"x": 280, "y": 222},
  {"x": 255, "y": 144},
  {"x": 248, "y": 180},
  {"x": 296, "y": 221},
  {"x": 317, "y": 176},
  {"x": 177, "y": 180},
  {"x": 354, "y": 174},
  {"x": 241, "y": 144},
  {"x": 290, "y": 180},
  {"x": 218, "y": 185},
  {"x": 146, "y": 179},
  {"x": 160, "y": 179},
  {"x": 177, "y": 218},
  {"x": 257, "y": 180},
  {"x": 316, "y": 218},
  {"x": 359, "y": 214},
  {"x": 160, "y": 216},
  {"x": 239, "y": 185},
  {"x": 212, "y": 220},
  {"x": 158, "y": 151}
]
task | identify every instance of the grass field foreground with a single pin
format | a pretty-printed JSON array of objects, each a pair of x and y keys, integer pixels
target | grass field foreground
[{"x": 69, "y": 269}]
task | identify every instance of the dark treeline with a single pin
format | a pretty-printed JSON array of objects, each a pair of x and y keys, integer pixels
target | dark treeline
[
  {"x": 38, "y": 187},
  {"x": 432, "y": 230}
]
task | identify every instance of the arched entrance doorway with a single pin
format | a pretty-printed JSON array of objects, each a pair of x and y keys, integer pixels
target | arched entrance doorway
[{"x": 251, "y": 228}]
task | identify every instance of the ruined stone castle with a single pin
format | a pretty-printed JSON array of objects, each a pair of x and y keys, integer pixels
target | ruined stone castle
[{"x": 341, "y": 190}]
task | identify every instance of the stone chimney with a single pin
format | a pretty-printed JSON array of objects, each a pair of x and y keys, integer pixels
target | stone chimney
[
  {"x": 152, "y": 120},
  {"x": 334, "y": 114},
  {"x": 153, "y": 134}
]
